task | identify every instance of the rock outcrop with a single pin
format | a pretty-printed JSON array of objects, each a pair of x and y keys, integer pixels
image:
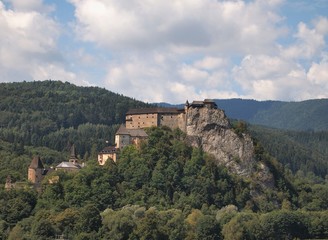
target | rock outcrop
[{"x": 210, "y": 129}]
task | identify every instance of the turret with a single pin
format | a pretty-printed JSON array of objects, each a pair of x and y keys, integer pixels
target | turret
[
  {"x": 35, "y": 170},
  {"x": 73, "y": 158}
]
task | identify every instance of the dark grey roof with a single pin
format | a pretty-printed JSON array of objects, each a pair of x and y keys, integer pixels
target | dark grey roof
[
  {"x": 36, "y": 163},
  {"x": 197, "y": 103},
  {"x": 109, "y": 149},
  {"x": 132, "y": 132},
  {"x": 202, "y": 103},
  {"x": 152, "y": 110}
]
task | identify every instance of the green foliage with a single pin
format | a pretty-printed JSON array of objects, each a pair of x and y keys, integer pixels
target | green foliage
[
  {"x": 16, "y": 205},
  {"x": 302, "y": 116},
  {"x": 306, "y": 151},
  {"x": 277, "y": 225},
  {"x": 240, "y": 127},
  {"x": 163, "y": 190},
  {"x": 53, "y": 114}
]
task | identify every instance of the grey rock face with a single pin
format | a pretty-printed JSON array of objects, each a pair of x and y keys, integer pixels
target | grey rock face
[{"x": 210, "y": 129}]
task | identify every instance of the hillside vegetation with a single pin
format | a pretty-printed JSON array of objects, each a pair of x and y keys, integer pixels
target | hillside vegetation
[
  {"x": 301, "y": 151},
  {"x": 164, "y": 190},
  {"x": 54, "y": 114},
  {"x": 306, "y": 115}
]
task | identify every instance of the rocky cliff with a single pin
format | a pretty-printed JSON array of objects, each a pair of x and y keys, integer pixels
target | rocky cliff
[{"x": 210, "y": 129}]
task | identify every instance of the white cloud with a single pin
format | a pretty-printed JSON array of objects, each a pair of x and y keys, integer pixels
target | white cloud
[
  {"x": 178, "y": 25},
  {"x": 210, "y": 63},
  {"x": 28, "y": 45},
  {"x": 271, "y": 77},
  {"x": 309, "y": 42},
  {"x": 138, "y": 78},
  {"x": 156, "y": 78},
  {"x": 321, "y": 25},
  {"x": 318, "y": 73},
  {"x": 193, "y": 75},
  {"x": 167, "y": 50}
]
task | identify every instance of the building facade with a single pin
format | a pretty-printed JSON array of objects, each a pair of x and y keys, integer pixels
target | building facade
[
  {"x": 170, "y": 117},
  {"x": 109, "y": 152}
]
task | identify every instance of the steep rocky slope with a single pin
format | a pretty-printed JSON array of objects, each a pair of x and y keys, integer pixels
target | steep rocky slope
[{"x": 210, "y": 129}]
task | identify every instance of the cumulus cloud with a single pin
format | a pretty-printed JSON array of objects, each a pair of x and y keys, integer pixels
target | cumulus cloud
[
  {"x": 178, "y": 25},
  {"x": 28, "y": 44},
  {"x": 168, "y": 50},
  {"x": 270, "y": 77},
  {"x": 160, "y": 77},
  {"x": 318, "y": 73},
  {"x": 310, "y": 42}
]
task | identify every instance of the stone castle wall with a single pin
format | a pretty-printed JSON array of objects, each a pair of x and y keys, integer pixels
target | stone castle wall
[{"x": 135, "y": 121}]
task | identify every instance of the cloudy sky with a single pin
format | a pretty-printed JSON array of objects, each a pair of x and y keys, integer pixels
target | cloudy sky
[{"x": 160, "y": 50}]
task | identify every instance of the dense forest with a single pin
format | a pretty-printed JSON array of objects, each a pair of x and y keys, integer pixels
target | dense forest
[
  {"x": 303, "y": 152},
  {"x": 47, "y": 117},
  {"x": 163, "y": 190},
  {"x": 302, "y": 116}
]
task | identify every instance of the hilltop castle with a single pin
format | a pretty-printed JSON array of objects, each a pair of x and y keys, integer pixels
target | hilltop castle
[
  {"x": 138, "y": 119},
  {"x": 170, "y": 117}
]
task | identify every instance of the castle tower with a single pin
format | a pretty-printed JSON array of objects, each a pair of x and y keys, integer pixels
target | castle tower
[
  {"x": 35, "y": 171},
  {"x": 9, "y": 185},
  {"x": 73, "y": 158}
]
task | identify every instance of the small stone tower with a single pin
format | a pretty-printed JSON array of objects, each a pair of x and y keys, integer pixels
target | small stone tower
[
  {"x": 73, "y": 157},
  {"x": 35, "y": 171},
  {"x": 9, "y": 185}
]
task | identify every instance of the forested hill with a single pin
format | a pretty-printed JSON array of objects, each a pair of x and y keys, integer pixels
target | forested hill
[
  {"x": 164, "y": 189},
  {"x": 298, "y": 150},
  {"x": 54, "y": 114},
  {"x": 304, "y": 116},
  {"x": 54, "y": 104}
]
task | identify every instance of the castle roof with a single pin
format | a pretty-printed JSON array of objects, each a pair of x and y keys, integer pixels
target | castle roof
[
  {"x": 152, "y": 111},
  {"x": 65, "y": 165},
  {"x": 210, "y": 102},
  {"x": 109, "y": 149},
  {"x": 132, "y": 132},
  {"x": 36, "y": 163}
]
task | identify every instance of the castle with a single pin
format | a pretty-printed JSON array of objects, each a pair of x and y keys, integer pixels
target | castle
[
  {"x": 170, "y": 117},
  {"x": 132, "y": 133},
  {"x": 138, "y": 119}
]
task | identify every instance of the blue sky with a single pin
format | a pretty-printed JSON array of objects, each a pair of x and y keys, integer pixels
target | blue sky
[{"x": 170, "y": 51}]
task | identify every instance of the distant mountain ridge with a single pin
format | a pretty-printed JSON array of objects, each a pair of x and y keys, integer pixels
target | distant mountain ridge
[{"x": 301, "y": 116}]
